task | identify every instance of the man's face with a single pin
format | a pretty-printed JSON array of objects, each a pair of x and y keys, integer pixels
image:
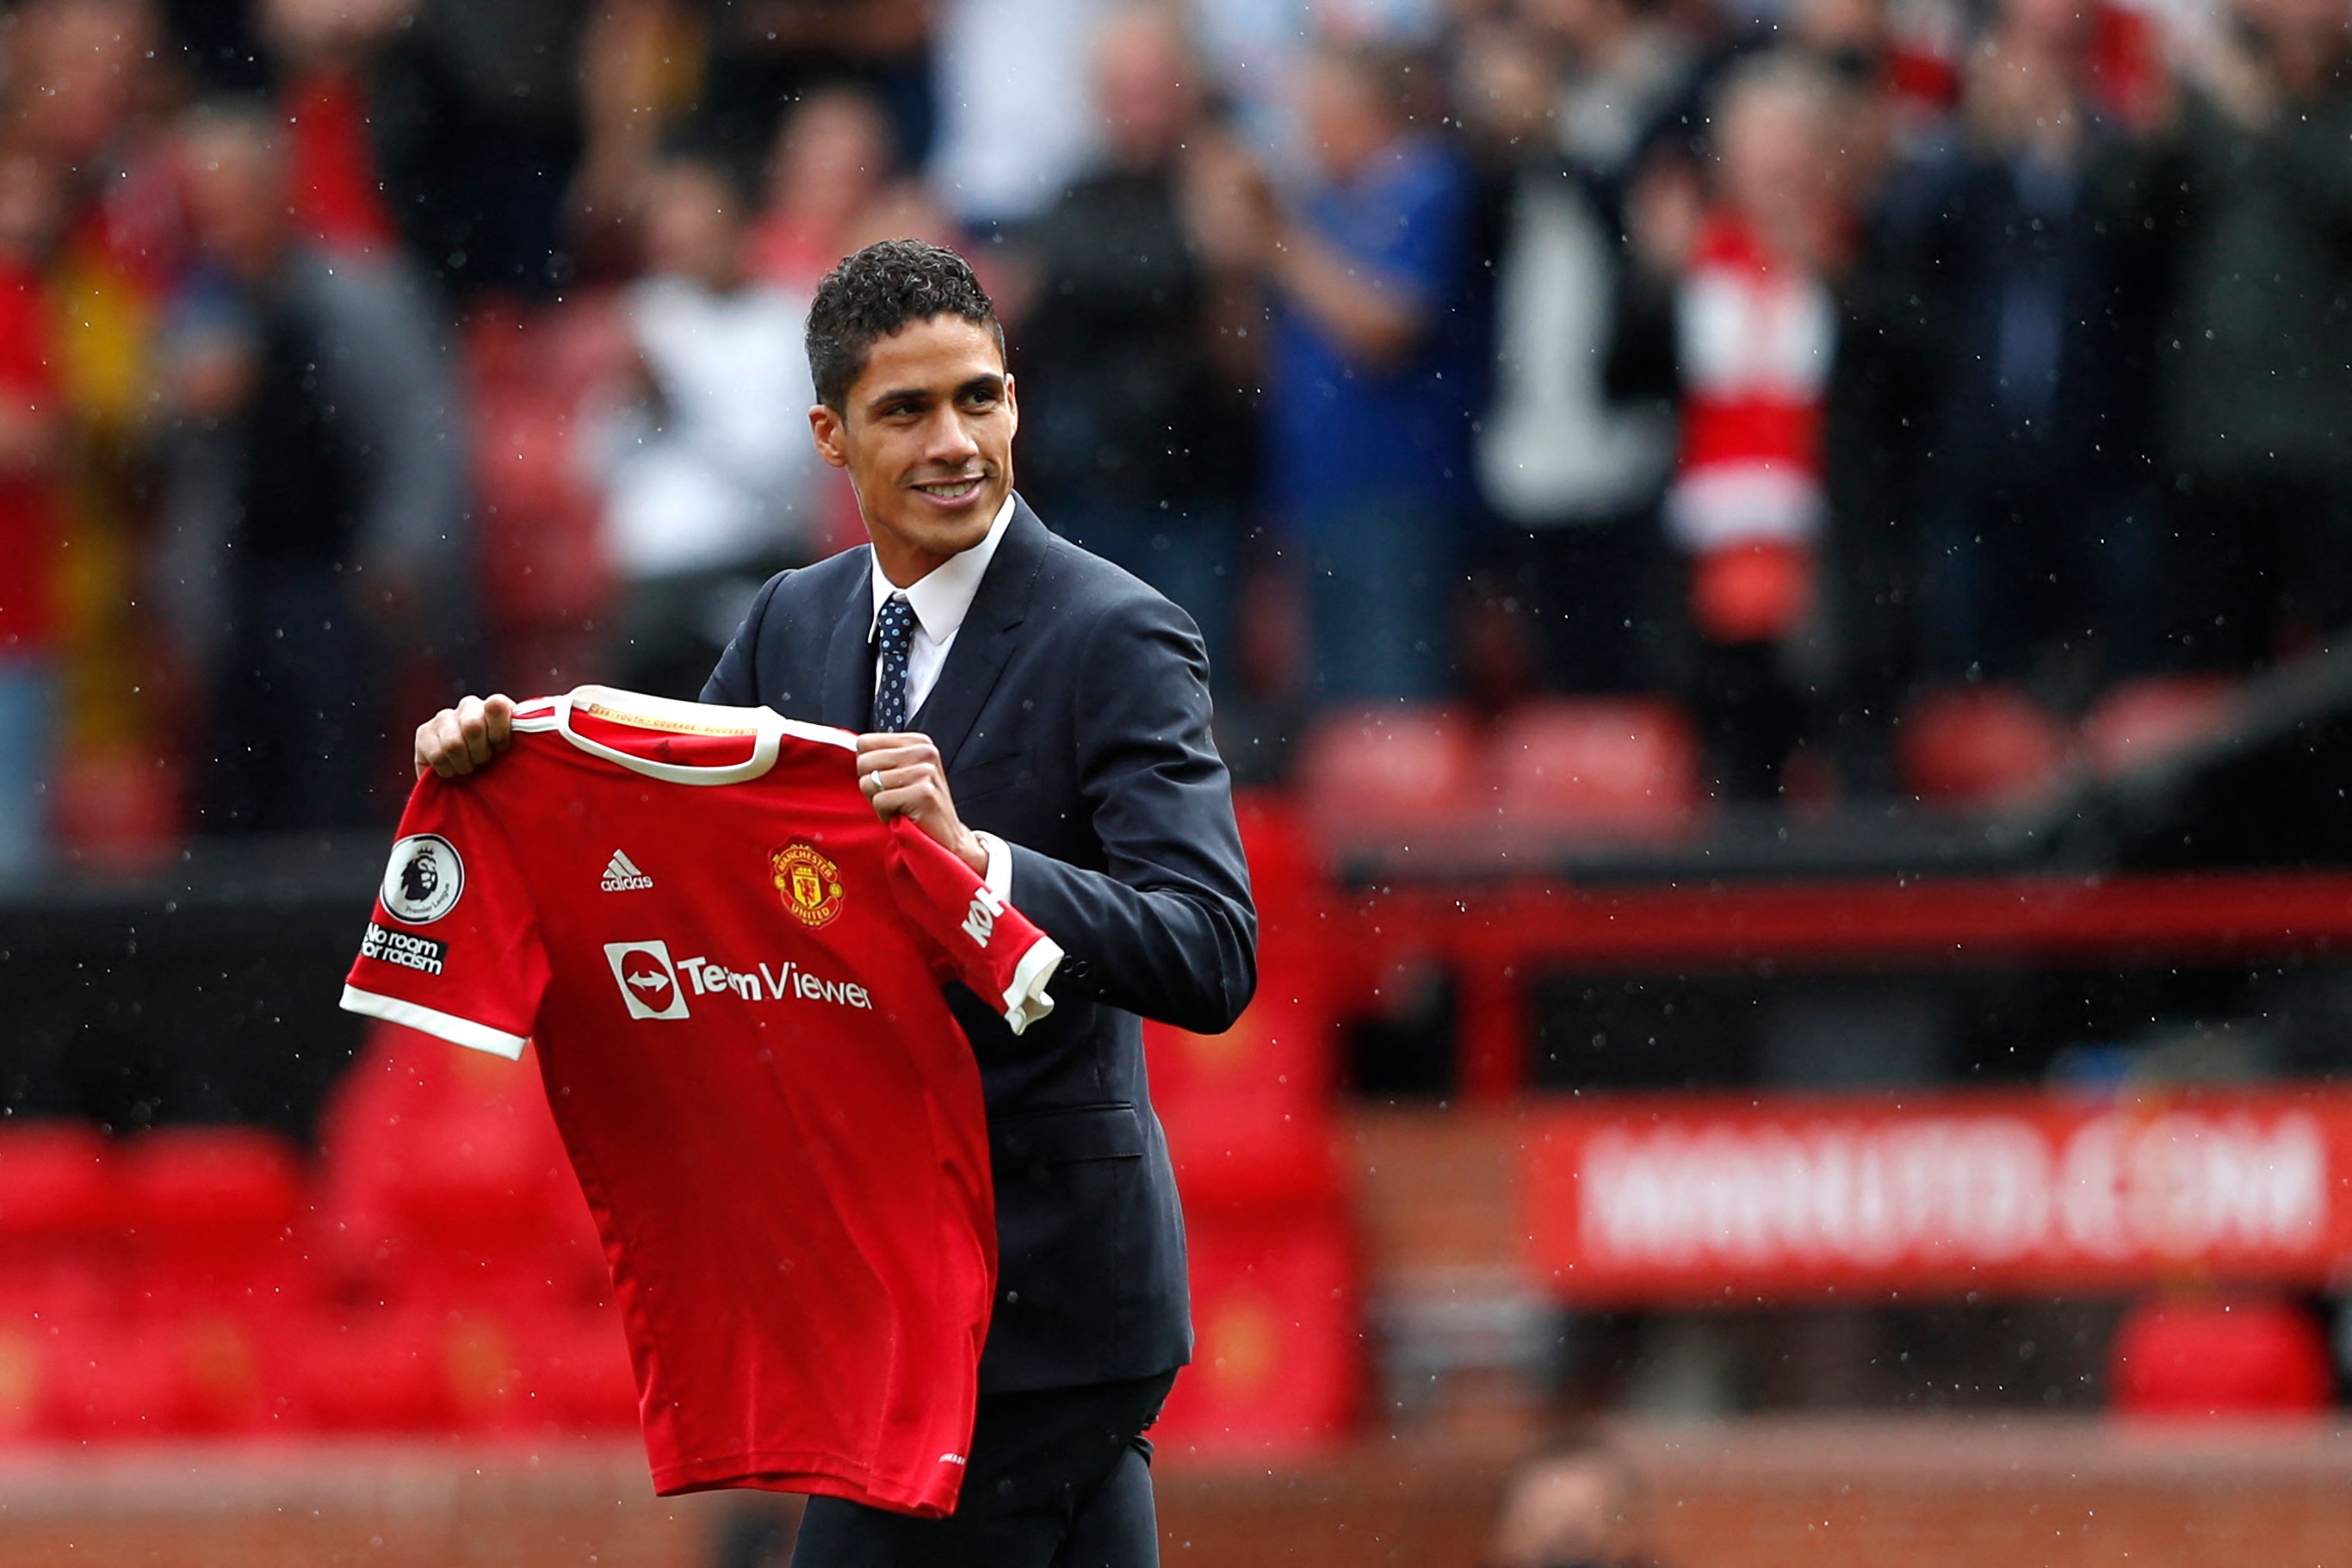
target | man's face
[
  {"x": 1345, "y": 121},
  {"x": 692, "y": 228},
  {"x": 234, "y": 188},
  {"x": 926, "y": 434}
]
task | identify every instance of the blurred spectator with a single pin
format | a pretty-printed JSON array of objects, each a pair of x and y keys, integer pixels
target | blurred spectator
[
  {"x": 32, "y": 503},
  {"x": 1372, "y": 371},
  {"x": 764, "y": 55},
  {"x": 834, "y": 160},
  {"x": 323, "y": 53},
  {"x": 709, "y": 468},
  {"x": 1252, "y": 50},
  {"x": 1576, "y": 1505},
  {"x": 1573, "y": 475},
  {"x": 1015, "y": 120},
  {"x": 1134, "y": 439},
  {"x": 86, "y": 98},
  {"x": 2252, "y": 181},
  {"x": 1728, "y": 312},
  {"x": 452, "y": 128},
  {"x": 316, "y": 501},
  {"x": 2011, "y": 303}
]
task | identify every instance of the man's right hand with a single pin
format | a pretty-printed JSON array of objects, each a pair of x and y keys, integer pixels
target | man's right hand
[{"x": 457, "y": 740}]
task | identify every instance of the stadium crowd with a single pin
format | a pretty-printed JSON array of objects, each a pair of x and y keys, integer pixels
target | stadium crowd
[{"x": 1790, "y": 356}]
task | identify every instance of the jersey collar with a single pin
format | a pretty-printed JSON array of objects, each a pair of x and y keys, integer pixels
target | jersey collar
[{"x": 767, "y": 728}]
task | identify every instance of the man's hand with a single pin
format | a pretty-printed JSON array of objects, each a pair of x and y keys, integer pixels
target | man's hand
[
  {"x": 457, "y": 740},
  {"x": 903, "y": 775}
]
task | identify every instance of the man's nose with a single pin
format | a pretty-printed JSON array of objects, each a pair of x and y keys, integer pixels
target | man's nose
[{"x": 949, "y": 441}]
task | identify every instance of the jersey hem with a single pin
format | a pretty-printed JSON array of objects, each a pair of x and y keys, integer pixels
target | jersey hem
[
  {"x": 432, "y": 1021},
  {"x": 1025, "y": 1000},
  {"x": 815, "y": 1474}
]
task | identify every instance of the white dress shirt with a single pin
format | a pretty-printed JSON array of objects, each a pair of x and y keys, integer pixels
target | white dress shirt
[{"x": 941, "y": 600}]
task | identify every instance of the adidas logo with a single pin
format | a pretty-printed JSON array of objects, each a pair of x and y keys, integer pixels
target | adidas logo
[{"x": 622, "y": 876}]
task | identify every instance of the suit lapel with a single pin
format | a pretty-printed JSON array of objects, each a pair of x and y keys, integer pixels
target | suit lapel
[
  {"x": 845, "y": 700},
  {"x": 985, "y": 641}
]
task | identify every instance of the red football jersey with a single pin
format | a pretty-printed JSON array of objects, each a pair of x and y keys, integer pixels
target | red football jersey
[{"x": 733, "y": 971}]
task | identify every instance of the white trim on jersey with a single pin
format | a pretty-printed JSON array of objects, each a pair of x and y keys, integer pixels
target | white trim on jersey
[
  {"x": 432, "y": 1021},
  {"x": 767, "y": 728},
  {"x": 1025, "y": 1000}
]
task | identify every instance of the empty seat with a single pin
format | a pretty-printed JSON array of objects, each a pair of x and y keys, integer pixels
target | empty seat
[
  {"x": 210, "y": 1215},
  {"x": 381, "y": 1371},
  {"x": 446, "y": 1181},
  {"x": 103, "y": 1380},
  {"x": 1618, "y": 768},
  {"x": 58, "y": 1237},
  {"x": 1278, "y": 1366},
  {"x": 1253, "y": 1152},
  {"x": 53, "y": 1182},
  {"x": 96, "y": 1378},
  {"x": 2247, "y": 1356},
  {"x": 576, "y": 1375},
  {"x": 1979, "y": 747},
  {"x": 2142, "y": 722},
  {"x": 1388, "y": 771}
]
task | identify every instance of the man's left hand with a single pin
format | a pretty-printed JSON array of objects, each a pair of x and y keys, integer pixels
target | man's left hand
[{"x": 903, "y": 775}]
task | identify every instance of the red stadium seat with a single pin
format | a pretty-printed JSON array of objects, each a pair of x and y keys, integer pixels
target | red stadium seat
[
  {"x": 576, "y": 1375},
  {"x": 58, "y": 1234},
  {"x": 1621, "y": 767},
  {"x": 1392, "y": 770},
  {"x": 381, "y": 1371},
  {"x": 210, "y": 1214},
  {"x": 54, "y": 1185},
  {"x": 1278, "y": 1368},
  {"x": 1285, "y": 1043},
  {"x": 98, "y": 1379},
  {"x": 107, "y": 1381},
  {"x": 445, "y": 1181},
  {"x": 2249, "y": 1355},
  {"x": 2146, "y": 721},
  {"x": 1284, "y": 861},
  {"x": 1253, "y": 1153},
  {"x": 1979, "y": 747}
]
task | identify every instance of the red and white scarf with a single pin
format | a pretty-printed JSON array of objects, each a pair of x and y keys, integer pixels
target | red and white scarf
[{"x": 1755, "y": 336}]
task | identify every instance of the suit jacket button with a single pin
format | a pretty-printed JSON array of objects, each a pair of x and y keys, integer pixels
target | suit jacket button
[{"x": 1010, "y": 1297}]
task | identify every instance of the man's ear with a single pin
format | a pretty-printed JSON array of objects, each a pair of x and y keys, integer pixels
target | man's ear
[
  {"x": 831, "y": 434},
  {"x": 1012, "y": 404}
]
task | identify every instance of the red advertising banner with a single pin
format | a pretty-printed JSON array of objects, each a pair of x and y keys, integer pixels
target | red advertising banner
[{"x": 1658, "y": 1201}]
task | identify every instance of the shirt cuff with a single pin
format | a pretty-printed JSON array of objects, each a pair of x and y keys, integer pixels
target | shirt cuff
[{"x": 999, "y": 874}]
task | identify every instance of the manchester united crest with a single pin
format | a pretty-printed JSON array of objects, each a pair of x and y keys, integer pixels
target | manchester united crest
[{"x": 809, "y": 883}]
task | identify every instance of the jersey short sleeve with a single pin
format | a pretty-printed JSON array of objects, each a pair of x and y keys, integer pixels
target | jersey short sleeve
[
  {"x": 978, "y": 937},
  {"x": 452, "y": 947}
]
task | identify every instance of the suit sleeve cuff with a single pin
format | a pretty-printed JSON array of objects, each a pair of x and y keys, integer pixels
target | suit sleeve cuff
[{"x": 999, "y": 874}]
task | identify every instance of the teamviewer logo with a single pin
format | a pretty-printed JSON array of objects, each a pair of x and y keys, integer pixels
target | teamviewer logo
[{"x": 648, "y": 980}]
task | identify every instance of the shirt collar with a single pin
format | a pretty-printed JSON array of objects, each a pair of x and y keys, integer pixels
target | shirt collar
[{"x": 942, "y": 597}]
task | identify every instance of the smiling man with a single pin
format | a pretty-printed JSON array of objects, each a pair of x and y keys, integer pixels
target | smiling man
[{"x": 1045, "y": 716}]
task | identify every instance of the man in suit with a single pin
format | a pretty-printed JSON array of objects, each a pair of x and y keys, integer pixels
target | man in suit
[{"x": 1045, "y": 716}]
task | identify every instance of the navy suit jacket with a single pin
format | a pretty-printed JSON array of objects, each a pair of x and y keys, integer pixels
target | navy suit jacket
[{"x": 1073, "y": 717}]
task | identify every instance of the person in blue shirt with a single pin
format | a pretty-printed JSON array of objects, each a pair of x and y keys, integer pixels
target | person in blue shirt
[{"x": 1369, "y": 374}]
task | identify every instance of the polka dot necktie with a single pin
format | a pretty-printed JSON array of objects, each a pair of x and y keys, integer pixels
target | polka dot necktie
[{"x": 896, "y": 624}]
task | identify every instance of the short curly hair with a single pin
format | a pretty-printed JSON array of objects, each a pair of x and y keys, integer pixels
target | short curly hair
[{"x": 873, "y": 294}]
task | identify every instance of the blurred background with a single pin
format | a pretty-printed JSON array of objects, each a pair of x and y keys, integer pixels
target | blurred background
[{"x": 1777, "y": 573}]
